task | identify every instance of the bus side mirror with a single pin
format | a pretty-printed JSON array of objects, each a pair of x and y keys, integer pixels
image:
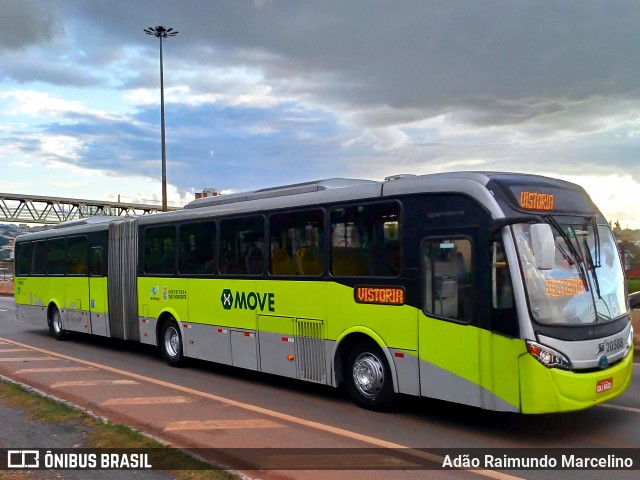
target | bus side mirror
[{"x": 544, "y": 246}]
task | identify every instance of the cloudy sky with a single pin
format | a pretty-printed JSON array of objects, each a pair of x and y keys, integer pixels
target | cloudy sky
[{"x": 267, "y": 92}]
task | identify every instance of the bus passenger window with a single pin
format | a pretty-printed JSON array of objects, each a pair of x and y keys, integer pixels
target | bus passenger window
[
  {"x": 24, "y": 252},
  {"x": 447, "y": 274},
  {"x": 159, "y": 250},
  {"x": 97, "y": 262},
  {"x": 296, "y": 243},
  {"x": 55, "y": 257},
  {"x": 39, "y": 265},
  {"x": 197, "y": 248},
  {"x": 502, "y": 291},
  {"x": 365, "y": 240},
  {"x": 503, "y": 316},
  {"x": 241, "y": 246},
  {"x": 77, "y": 256}
]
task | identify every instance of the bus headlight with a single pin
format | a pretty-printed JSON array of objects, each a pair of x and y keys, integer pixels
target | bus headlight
[
  {"x": 547, "y": 356},
  {"x": 629, "y": 340}
]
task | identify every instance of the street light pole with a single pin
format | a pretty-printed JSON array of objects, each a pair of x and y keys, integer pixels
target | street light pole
[{"x": 161, "y": 33}]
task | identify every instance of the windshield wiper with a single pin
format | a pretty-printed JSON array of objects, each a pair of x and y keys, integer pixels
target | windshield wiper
[
  {"x": 596, "y": 241},
  {"x": 592, "y": 267},
  {"x": 574, "y": 251}
]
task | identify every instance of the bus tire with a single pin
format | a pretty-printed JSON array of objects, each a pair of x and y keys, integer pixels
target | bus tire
[
  {"x": 171, "y": 344},
  {"x": 55, "y": 325},
  {"x": 368, "y": 377}
]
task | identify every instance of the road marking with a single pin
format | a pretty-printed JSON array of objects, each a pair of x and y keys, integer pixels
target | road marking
[
  {"x": 13, "y": 350},
  {"x": 146, "y": 400},
  {"x": 3, "y": 310},
  {"x": 378, "y": 442},
  {"x": 27, "y": 359},
  {"x": 620, "y": 407},
  {"x": 54, "y": 370},
  {"x": 93, "y": 383},
  {"x": 346, "y": 460},
  {"x": 221, "y": 425}
]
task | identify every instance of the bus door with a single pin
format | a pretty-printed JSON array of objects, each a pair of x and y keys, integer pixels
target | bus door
[
  {"x": 98, "y": 310},
  {"x": 449, "y": 340}
]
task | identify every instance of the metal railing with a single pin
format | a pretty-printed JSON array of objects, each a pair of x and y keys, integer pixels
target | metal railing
[{"x": 52, "y": 210}]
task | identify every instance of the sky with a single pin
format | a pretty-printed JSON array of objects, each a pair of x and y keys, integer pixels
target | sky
[{"x": 260, "y": 93}]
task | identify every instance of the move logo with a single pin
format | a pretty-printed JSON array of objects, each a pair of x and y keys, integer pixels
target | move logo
[{"x": 248, "y": 301}]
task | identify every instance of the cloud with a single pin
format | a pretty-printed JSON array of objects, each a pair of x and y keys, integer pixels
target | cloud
[
  {"x": 33, "y": 103},
  {"x": 253, "y": 146},
  {"x": 24, "y": 23},
  {"x": 489, "y": 63}
]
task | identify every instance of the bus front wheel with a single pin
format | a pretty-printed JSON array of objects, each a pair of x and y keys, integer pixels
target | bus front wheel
[
  {"x": 171, "y": 344},
  {"x": 55, "y": 325},
  {"x": 368, "y": 377}
]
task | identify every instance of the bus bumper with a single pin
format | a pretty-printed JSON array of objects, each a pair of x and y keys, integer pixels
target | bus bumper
[{"x": 547, "y": 390}]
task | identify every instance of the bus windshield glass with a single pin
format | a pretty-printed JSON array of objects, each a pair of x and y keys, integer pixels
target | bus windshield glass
[{"x": 586, "y": 283}]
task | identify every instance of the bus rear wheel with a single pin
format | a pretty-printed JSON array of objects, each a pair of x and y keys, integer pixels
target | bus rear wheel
[
  {"x": 55, "y": 325},
  {"x": 171, "y": 344},
  {"x": 368, "y": 377}
]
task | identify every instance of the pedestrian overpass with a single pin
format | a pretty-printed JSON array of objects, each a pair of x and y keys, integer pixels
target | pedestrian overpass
[{"x": 51, "y": 210}]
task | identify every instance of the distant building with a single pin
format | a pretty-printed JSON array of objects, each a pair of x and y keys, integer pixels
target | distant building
[
  {"x": 207, "y": 192},
  {"x": 633, "y": 274},
  {"x": 7, "y": 252}
]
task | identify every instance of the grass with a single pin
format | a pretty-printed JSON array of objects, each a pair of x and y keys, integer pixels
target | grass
[
  {"x": 36, "y": 407},
  {"x": 106, "y": 435},
  {"x": 633, "y": 285}
]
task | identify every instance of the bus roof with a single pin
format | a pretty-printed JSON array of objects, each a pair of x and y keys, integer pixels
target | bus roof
[
  {"x": 307, "y": 194},
  {"x": 334, "y": 190}
]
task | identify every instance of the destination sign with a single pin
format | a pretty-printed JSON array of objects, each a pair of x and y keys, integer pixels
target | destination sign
[
  {"x": 379, "y": 295},
  {"x": 536, "y": 201}
]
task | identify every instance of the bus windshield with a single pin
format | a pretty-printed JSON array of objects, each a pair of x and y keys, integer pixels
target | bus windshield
[{"x": 586, "y": 283}]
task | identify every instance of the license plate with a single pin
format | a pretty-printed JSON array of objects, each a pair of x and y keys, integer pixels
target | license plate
[{"x": 604, "y": 385}]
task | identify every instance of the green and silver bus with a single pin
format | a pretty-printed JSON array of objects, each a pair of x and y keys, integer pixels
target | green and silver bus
[{"x": 503, "y": 291}]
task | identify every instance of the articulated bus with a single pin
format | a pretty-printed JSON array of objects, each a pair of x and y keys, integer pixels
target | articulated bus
[{"x": 502, "y": 291}]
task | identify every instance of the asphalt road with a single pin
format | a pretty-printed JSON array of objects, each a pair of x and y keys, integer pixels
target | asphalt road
[{"x": 417, "y": 423}]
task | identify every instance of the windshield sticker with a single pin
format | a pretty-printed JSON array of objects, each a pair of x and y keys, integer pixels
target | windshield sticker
[{"x": 567, "y": 287}]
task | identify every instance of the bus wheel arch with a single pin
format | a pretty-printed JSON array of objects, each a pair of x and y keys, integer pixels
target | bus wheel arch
[
  {"x": 364, "y": 368},
  {"x": 54, "y": 320},
  {"x": 170, "y": 340}
]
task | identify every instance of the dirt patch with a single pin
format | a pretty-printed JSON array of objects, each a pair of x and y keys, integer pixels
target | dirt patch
[
  {"x": 6, "y": 288},
  {"x": 635, "y": 321}
]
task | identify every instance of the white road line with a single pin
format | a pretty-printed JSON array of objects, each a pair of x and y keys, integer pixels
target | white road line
[
  {"x": 146, "y": 400},
  {"x": 221, "y": 424},
  {"x": 29, "y": 359},
  {"x": 93, "y": 383},
  {"x": 620, "y": 407},
  {"x": 378, "y": 442},
  {"x": 54, "y": 369}
]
